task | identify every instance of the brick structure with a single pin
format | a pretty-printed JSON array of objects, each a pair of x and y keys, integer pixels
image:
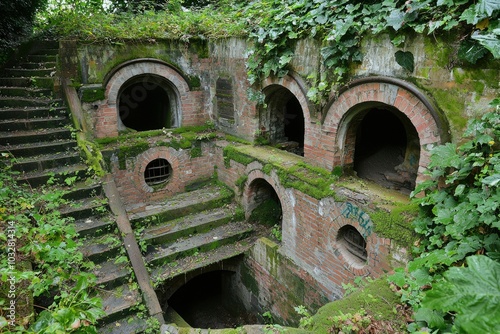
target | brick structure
[{"x": 312, "y": 228}]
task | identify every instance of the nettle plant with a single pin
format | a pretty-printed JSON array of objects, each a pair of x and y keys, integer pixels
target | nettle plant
[
  {"x": 453, "y": 284},
  {"x": 44, "y": 265},
  {"x": 338, "y": 25}
]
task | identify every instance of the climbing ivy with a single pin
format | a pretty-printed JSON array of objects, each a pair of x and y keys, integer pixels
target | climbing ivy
[{"x": 275, "y": 27}]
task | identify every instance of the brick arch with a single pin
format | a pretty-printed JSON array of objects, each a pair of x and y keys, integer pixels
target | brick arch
[
  {"x": 108, "y": 122},
  {"x": 282, "y": 88},
  {"x": 391, "y": 93}
]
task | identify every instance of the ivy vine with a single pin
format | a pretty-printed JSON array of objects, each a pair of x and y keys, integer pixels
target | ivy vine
[{"x": 275, "y": 27}]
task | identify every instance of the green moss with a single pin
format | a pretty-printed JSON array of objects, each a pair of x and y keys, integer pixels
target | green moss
[
  {"x": 240, "y": 182},
  {"x": 376, "y": 298},
  {"x": 311, "y": 180},
  {"x": 125, "y": 152},
  {"x": 93, "y": 156},
  {"x": 396, "y": 224},
  {"x": 453, "y": 104},
  {"x": 195, "y": 152},
  {"x": 91, "y": 95},
  {"x": 232, "y": 153},
  {"x": 194, "y": 82},
  {"x": 268, "y": 213}
]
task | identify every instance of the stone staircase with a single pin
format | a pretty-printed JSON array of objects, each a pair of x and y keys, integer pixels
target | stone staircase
[
  {"x": 35, "y": 128},
  {"x": 190, "y": 231},
  {"x": 178, "y": 235}
]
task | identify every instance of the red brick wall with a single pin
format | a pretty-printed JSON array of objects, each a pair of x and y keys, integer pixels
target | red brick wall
[{"x": 134, "y": 191}]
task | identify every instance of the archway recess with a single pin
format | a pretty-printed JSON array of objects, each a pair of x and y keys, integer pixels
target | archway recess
[
  {"x": 285, "y": 115},
  {"x": 144, "y": 94},
  {"x": 424, "y": 126}
]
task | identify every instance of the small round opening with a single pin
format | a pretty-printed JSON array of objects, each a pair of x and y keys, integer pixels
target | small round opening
[
  {"x": 353, "y": 243},
  {"x": 157, "y": 172}
]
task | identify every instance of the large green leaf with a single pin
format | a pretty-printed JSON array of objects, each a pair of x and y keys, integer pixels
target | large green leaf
[
  {"x": 472, "y": 292},
  {"x": 405, "y": 60}
]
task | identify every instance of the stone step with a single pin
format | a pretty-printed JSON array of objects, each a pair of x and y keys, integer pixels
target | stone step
[
  {"x": 29, "y": 72},
  {"x": 119, "y": 302},
  {"x": 187, "y": 226},
  {"x": 202, "y": 260},
  {"x": 110, "y": 274},
  {"x": 39, "y": 64},
  {"x": 47, "y": 48},
  {"x": 56, "y": 175},
  {"x": 33, "y": 149},
  {"x": 41, "y": 58},
  {"x": 34, "y": 123},
  {"x": 85, "y": 208},
  {"x": 81, "y": 190},
  {"x": 41, "y": 82},
  {"x": 25, "y": 91},
  {"x": 48, "y": 161},
  {"x": 181, "y": 205},
  {"x": 127, "y": 325},
  {"x": 20, "y": 102},
  {"x": 101, "y": 248},
  {"x": 94, "y": 225},
  {"x": 22, "y": 141},
  {"x": 32, "y": 112},
  {"x": 222, "y": 235}
]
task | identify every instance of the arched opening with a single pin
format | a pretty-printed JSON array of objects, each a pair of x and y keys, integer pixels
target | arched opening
[
  {"x": 147, "y": 102},
  {"x": 265, "y": 207},
  {"x": 352, "y": 244},
  {"x": 282, "y": 121},
  {"x": 210, "y": 301},
  {"x": 386, "y": 148}
]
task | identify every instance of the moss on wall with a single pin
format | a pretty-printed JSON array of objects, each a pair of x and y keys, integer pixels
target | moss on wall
[
  {"x": 453, "y": 105},
  {"x": 92, "y": 95},
  {"x": 395, "y": 224}
]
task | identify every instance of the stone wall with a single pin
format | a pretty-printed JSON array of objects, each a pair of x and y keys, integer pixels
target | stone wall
[{"x": 208, "y": 81}]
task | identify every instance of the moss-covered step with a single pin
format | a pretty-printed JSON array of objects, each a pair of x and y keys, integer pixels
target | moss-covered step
[
  {"x": 41, "y": 58},
  {"x": 172, "y": 269},
  {"x": 181, "y": 205},
  {"x": 37, "y": 148},
  {"x": 222, "y": 235},
  {"x": 119, "y": 302},
  {"x": 112, "y": 273},
  {"x": 48, "y": 62},
  {"x": 95, "y": 225},
  {"x": 16, "y": 102},
  {"x": 28, "y": 72},
  {"x": 41, "y": 82},
  {"x": 37, "y": 138},
  {"x": 188, "y": 225},
  {"x": 57, "y": 175},
  {"x": 85, "y": 208},
  {"x": 101, "y": 248},
  {"x": 25, "y": 91},
  {"x": 32, "y": 112},
  {"x": 47, "y": 161},
  {"x": 33, "y": 123}
]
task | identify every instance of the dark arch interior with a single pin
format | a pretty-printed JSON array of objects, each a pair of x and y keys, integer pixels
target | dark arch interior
[
  {"x": 294, "y": 124},
  {"x": 144, "y": 104},
  {"x": 266, "y": 205},
  {"x": 208, "y": 301},
  {"x": 381, "y": 143},
  {"x": 283, "y": 120}
]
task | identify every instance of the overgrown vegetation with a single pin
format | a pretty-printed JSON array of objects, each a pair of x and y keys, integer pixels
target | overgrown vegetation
[
  {"x": 339, "y": 26},
  {"x": 452, "y": 284},
  {"x": 41, "y": 260}
]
